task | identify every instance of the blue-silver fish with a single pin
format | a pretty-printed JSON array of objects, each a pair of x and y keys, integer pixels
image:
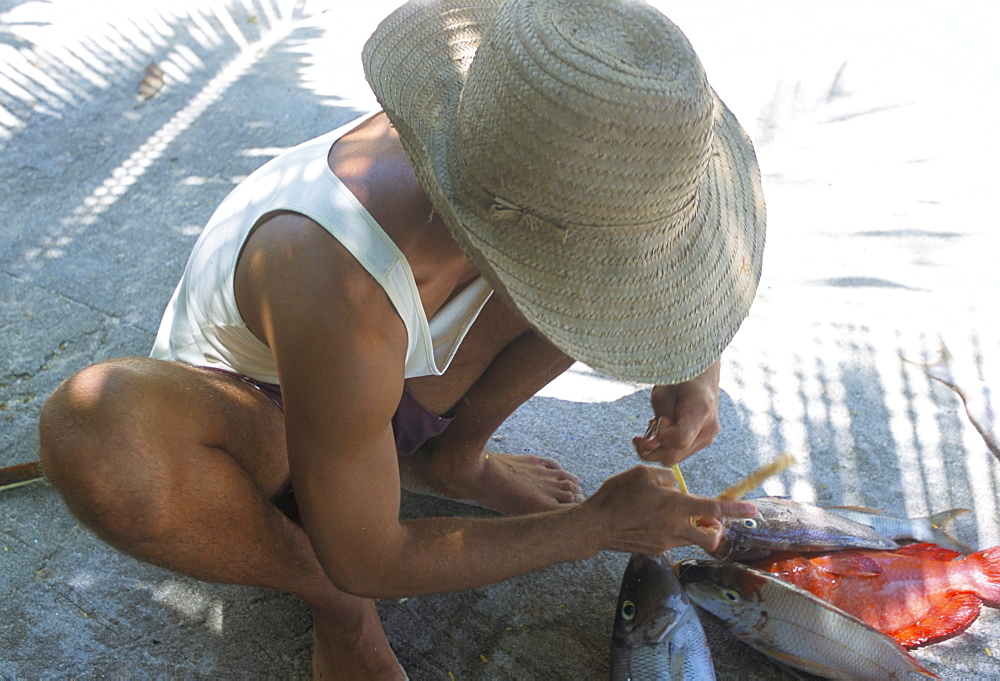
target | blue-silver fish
[
  {"x": 932, "y": 529},
  {"x": 786, "y": 525},
  {"x": 657, "y": 634}
]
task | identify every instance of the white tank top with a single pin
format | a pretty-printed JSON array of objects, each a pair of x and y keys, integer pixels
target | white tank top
[{"x": 202, "y": 325}]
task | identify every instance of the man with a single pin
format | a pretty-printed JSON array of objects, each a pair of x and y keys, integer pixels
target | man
[{"x": 549, "y": 180}]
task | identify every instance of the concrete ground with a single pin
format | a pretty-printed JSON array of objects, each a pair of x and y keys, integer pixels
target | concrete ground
[{"x": 874, "y": 124}]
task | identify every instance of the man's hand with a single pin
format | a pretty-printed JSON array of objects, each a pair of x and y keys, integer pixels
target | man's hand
[
  {"x": 686, "y": 419},
  {"x": 642, "y": 511}
]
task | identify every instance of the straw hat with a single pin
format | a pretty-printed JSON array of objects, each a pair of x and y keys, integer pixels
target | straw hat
[{"x": 587, "y": 169}]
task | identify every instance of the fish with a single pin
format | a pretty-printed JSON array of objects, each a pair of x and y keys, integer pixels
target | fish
[
  {"x": 786, "y": 525},
  {"x": 657, "y": 634},
  {"x": 794, "y": 627},
  {"x": 918, "y": 594},
  {"x": 934, "y": 529}
]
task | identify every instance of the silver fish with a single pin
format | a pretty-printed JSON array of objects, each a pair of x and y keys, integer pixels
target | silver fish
[
  {"x": 933, "y": 529},
  {"x": 786, "y": 525},
  {"x": 793, "y": 627},
  {"x": 657, "y": 634}
]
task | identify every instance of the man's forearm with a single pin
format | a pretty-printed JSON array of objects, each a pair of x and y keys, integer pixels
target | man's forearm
[
  {"x": 439, "y": 555},
  {"x": 638, "y": 510},
  {"x": 523, "y": 368}
]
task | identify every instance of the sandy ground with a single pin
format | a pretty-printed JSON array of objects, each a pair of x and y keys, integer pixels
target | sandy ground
[{"x": 874, "y": 128}]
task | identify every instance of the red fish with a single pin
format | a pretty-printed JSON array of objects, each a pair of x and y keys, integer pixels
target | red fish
[{"x": 917, "y": 594}]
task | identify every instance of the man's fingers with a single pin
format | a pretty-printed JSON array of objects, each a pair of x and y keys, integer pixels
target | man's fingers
[
  {"x": 644, "y": 445},
  {"x": 670, "y": 441},
  {"x": 678, "y": 437},
  {"x": 707, "y": 521},
  {"x": 735, "y": 509},
  {"x": 694, "y": 429},
  {"x": 699, "y": 507},
  {"x": 706, "y": 537}
]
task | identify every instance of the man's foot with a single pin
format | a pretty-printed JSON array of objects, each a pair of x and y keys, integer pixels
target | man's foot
[
  {"x": 508, "y": 483},
  {"x": 353, "y": 647}
]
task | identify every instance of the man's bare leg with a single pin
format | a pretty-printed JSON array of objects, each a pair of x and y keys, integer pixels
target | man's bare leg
[
  {"x": 177, "y": 466},
  {"x": 499, "y": 365}
]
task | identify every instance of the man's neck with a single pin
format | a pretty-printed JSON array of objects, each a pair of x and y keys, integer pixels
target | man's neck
[{"x": 371, "y": 163}]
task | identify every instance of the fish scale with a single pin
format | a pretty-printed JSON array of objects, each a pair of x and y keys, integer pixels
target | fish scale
[
  {"x": 917, "y": 594},
  {"x": 657, "y": 634},
  {"x": 794, "y": 627},
  {"x": 933, "y": 529},
  {"x": 647, "y": 663},
  {"x": 682, "y": 655},
  {"x": 783, "y": 525}
]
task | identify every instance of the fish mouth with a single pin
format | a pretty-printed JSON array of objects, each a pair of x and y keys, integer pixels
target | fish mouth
[
  {"x": 724, "y": 550},
  {"x": 684, "y": 568}
]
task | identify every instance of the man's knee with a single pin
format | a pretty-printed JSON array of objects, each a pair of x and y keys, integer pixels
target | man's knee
[
  {"x": 91, "y": 449},
  {"x": 79, "y": 414}
]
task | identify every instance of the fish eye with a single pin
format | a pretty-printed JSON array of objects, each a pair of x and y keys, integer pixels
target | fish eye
[
  {"x": 628, "y": 610},
  {"x": 741, "y": 548},
  {"x": 749, "y": 523},
  {"x": 731, "y": 596}
]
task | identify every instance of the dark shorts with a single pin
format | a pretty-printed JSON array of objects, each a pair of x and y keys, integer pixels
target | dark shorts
[{"x": 412, "y": 424}]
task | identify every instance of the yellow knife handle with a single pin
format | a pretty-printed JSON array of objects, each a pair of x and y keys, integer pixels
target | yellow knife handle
[{"x": 680, "y": 478}]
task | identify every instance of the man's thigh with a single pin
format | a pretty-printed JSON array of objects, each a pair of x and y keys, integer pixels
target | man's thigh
[
  {"x": 167, "y": 412},
  {"x": 246, "y": 423}
]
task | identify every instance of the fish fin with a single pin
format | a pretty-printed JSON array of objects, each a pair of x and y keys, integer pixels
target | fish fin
[
  {"x": 819, "y": 668},
  {"x": 987, "y": 564},
  {"x": 853, "y": 565},
  {"x": 949, "y": 618},
  {"x": 860, "y": 509},
  {"x": 783, "y": 658},
  {"x": 788, "y": 669},
  {"x": 928, "y": 552},
  {"x": 941, "y": 530},
  {"x": 944, "y": 519}
]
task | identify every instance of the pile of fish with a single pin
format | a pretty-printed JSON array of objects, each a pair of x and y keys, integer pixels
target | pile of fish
[{"x": 825, "y": 590}]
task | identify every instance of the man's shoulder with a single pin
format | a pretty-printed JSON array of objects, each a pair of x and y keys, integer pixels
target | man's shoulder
[{"x": 294, "y": 273}]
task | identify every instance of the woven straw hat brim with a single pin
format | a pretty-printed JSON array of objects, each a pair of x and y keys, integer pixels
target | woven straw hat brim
[{"x": 659, "y": 302}]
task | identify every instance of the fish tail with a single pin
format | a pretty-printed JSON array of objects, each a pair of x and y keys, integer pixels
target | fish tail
[
  {"x": 986, "y": 564},
  {"x": 941, "y": 531}
]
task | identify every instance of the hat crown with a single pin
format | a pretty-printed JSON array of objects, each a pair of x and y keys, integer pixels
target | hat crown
[
  {"x": 584, "y": 112},
  {"x": 593, "y": 115}
]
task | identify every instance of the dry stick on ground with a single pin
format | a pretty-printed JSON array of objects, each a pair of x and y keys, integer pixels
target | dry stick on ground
[{"x": 21, "y": 474}]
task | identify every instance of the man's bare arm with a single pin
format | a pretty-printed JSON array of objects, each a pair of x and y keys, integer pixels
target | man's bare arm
[{"x": 339, "y": 347}]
